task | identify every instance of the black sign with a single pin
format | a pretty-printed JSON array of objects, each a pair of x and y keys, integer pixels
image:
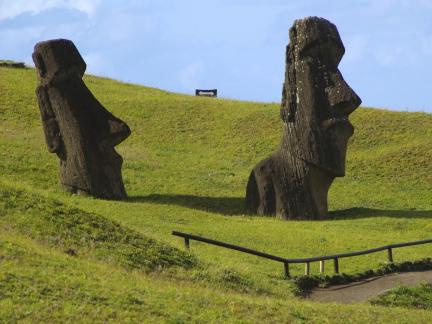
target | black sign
[{"x": 206, "y": 93}]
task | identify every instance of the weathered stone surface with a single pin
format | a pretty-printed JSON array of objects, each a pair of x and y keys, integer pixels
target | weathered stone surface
[
  {"x": 77, "y": 127},
  {"x": 293, "y": 182}
]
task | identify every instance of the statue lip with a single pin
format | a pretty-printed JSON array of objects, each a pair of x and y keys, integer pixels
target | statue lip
[{"x": 342, "y": 122}]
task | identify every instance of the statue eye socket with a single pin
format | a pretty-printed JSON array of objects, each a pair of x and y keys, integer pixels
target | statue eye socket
[
  {"x": 40, "y": 64},
  {"x": 328, "y": 50}
]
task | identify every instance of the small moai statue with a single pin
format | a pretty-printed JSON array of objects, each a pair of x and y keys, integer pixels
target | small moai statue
[
  {"x": 316, "y": 101},
  {"x": 77, "y": 127}
]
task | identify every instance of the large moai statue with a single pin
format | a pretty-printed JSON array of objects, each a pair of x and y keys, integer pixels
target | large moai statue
[
  {"x": 77, "y": 127},
  {"x": 316, "y": 101}
]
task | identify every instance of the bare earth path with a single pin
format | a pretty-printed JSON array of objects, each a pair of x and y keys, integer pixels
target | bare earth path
[{"x": 360, "y": 291}]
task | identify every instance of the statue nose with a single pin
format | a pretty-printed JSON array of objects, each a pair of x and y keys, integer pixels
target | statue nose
[{"x": 342, "y": 99}]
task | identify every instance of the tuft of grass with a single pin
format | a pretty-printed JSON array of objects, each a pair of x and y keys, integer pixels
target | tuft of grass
[{"x": 418, "y": 297}]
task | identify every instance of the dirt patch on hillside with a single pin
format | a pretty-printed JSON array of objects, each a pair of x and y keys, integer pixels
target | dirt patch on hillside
[{"x": 364, "y": 290}]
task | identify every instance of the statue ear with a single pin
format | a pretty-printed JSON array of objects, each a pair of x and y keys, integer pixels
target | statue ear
[
  {"x": 289, "y": 91},
  {"x": 51, "y": 128},
  {"x": 40, "y": 64},
  {"x": 285, "y": 105}
]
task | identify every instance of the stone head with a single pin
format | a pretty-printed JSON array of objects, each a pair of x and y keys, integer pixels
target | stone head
[
  {"x": 56, "y": 60},
  {"x": 77, "y": 127},
  {"x": 316, "y": 100}
]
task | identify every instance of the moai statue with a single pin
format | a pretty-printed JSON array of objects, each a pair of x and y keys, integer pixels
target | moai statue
[
  {"x": 316, "y": 101},
  {"x": 77, "y": 127}
]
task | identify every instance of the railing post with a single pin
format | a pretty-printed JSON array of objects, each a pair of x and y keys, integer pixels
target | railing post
[
  {"x": 286, "y": 269},
  {"x": 336, "y": 265},
  {"x": 307, "y": 268},
  {"x": 187, "y": 242},
  {"x": 322, "y": 266},
  {"x": 390, "y": 255}
]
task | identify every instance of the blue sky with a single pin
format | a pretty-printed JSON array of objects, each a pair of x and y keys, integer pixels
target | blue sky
[{"x": 237, "y": 46}]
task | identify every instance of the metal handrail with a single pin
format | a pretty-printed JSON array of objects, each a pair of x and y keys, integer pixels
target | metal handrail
[
  {"x": 286, "y": 261},
  {"x": 228, "y": 246},
  {"x": 363, "y": 252}
]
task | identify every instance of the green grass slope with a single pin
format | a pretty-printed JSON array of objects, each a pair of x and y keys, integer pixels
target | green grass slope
[
  {"x": 186, "y": 166},
  {"x": 77, "y": 232}
]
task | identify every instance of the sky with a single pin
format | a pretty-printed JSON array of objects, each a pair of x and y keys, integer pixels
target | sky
[{"x": 236, "y": 46}]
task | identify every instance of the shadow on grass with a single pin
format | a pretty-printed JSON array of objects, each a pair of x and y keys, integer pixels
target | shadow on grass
[
  {"x": 236, "y": 206},
  {"x": 360, "y": 212},
  {"x": 222, "y": 205}
]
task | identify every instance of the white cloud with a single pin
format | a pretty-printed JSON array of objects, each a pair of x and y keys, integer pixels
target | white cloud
[
  {"x": 13, "y": 8},
  {"x": 87, "y": 6},
  {"x": 125, "y": 26},
  {"x": 190, "y": 75},
  {"x": 13, "y": 39}
]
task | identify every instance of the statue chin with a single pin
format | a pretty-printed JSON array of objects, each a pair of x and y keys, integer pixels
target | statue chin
[{"x": 337, "y": 143}]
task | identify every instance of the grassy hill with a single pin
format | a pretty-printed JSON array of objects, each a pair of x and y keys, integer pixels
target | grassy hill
[{"x": 186, "y": 167}]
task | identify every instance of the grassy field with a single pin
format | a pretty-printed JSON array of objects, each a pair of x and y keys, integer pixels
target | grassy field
[{"x": 186, "y": 167}]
